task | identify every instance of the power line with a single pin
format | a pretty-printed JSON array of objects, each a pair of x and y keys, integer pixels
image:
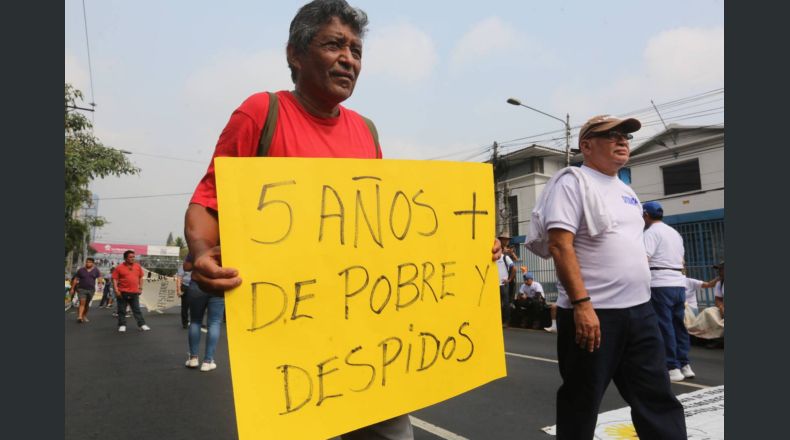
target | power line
[
  {"x": 151, "y": 196},
  {"x": 647, "y": 110},
  {"x": 202, "y": 162},
  {"x": 90, "y": 64}
]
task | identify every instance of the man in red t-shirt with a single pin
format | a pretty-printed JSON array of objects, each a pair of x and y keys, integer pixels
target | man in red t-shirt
[
  {"x": 127, "y": 280},
  {"x": 324, "y": 53}
]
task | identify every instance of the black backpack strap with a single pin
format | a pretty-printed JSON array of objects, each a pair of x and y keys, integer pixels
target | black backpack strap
[
  {"x": 375, "y": 134},
  {"x": 267, "y": 133}
]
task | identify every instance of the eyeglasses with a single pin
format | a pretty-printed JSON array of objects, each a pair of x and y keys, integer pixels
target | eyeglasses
[{"x": 612, "y": 135}]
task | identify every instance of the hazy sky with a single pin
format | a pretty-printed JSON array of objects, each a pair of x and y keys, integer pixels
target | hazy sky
[{"x": 435, "y": 78}]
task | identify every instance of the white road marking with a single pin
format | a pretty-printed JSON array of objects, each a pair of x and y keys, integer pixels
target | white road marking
[
  {"x": 435, "y": 430},
  {"x": 684, "y": 383},
  {"x": 531, "y": 357},
  {"x": 691, "y": 384}
]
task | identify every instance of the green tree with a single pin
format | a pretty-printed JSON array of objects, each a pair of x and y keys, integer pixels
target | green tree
[
  {"x": 86, "y": 159},
  {"x": 170, "y": 241},
  {"x": 181, "y": 243}
]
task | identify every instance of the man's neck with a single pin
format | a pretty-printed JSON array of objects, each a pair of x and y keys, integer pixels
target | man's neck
[
  {"x": 314, "y": 108},
  {"x": 608, "y": 172}
]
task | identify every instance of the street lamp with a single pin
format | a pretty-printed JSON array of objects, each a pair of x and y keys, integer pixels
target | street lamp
[{"x": 566, "y": 122}]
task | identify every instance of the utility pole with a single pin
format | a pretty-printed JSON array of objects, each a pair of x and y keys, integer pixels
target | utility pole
[
  {"x": 495, "y": 164},
  {"x": 566, "y": 122}
]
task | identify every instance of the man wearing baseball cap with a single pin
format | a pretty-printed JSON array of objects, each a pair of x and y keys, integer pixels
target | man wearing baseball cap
[
  {"x": 607, "y": 328},
  {"x": 507, "y": 272},
  {"x": 665, "y": 253}
]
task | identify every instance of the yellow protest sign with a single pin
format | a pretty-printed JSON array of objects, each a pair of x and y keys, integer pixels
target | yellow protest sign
[{"x": 368, "y": 289}]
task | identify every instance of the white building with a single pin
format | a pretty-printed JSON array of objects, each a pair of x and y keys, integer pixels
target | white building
[
  {"x": 683, "y": 169},
  {"x": 520, "y": 177}
]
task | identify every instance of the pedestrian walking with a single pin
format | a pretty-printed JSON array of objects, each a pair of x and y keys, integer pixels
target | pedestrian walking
[
  {"x": 591, "y": 224},
  {"x": 665, "y": 257},
  {"x": 127, "y": 280},
  {"x": 84, "y": 283},
  {"x": 183, "y": 278}
]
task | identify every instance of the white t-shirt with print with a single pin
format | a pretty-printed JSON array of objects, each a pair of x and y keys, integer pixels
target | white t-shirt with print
[
  {"x": 503, "y": 264},
  {"x": 613, "y": 264},
  {"x": 532, "y": 290},
  {"x": 664, "y": 247},
  {"x": 692, "y": 286}
]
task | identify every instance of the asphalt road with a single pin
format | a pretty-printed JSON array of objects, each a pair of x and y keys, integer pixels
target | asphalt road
[{"x": 135, "y": 386}]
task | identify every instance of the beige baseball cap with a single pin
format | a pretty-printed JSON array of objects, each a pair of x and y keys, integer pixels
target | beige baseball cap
[{"x": 600, "y": 123}]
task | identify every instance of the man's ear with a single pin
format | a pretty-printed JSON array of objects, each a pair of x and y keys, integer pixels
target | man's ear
[{"x": 291, "y": 56}]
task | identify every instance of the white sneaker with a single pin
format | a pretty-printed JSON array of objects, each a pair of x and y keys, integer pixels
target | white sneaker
[
  {"x": 192, "y": 362},
  {"x": 675, "y": 375},
  {"x": 145, "y": 328},
  {"x": 550, "y": 329},
  {"x": 122, "y": 328},
  {"x": 208, "y": 366},
  {"x": 687, "y": 371}
]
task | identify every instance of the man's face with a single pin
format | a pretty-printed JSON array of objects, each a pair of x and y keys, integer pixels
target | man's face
[
  {"x": 528, "y": 281},
  {"x": 605, "y": 153},
  {"x": 129, "y": 258},
  {"x": 329, "y": 69},
  {"x": 505, "y": 242},
  {"x": 88, "y": 264}
]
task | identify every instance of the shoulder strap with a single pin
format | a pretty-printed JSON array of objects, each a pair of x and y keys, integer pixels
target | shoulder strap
[
  {"x": 375, "y": 134},
  {"x": 267, "y": 133}
]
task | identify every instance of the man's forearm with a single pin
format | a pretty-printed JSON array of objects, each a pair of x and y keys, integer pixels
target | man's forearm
[
  {"x": 568, "y": 270},
  {"x": 201, "y": 229}
]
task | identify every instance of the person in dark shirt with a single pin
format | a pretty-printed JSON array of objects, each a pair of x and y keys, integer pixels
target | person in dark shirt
[{"x": 84, "y": 281}]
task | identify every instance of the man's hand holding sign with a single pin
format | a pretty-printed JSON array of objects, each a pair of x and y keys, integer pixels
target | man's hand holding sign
[
  {"x": 358, "y": 290},
  {"x": 363, "y": 297}
]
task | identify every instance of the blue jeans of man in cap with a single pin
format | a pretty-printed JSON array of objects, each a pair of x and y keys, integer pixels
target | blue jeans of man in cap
[{"x": 670, "y": 306}]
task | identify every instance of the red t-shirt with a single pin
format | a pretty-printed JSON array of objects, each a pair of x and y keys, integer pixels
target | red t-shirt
[
  {"x": 297, "y": 134},
  {"x": 128, "y": 277}
]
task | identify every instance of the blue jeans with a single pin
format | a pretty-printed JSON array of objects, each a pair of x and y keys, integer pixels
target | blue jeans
[
  {"x": 199, "y": 302},
  {"x": 504, "y": 299},
  {"x": 669, "y": 304},
  {"x": 133, "y": 299}
]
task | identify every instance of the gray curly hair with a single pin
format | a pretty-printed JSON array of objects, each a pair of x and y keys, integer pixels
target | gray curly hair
[{"x": 313, "y": 16}]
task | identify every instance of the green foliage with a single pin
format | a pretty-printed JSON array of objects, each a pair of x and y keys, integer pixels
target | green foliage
[
  {"x": 85, "y": 159},
  {"x": 181, "y": 243},
  {"x": 170, "y": 241}
]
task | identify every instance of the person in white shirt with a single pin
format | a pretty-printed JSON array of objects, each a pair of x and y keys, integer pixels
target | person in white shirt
[
  {"x": 693, "y": 286},
  {"x": 531, "y": 301},
  {"x": 507, "y": 272},
  {"x": 718, "y": 289},
  {"x": 604, "y": 290},
  {"x": 665, "y": 253}
]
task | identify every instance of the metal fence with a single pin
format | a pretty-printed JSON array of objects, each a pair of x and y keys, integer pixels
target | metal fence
[
  {"x": 703, "y": 242},
  {"x": 542, "y": 270}
]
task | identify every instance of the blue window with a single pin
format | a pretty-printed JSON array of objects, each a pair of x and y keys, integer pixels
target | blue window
[{"x": 625, "y": 175}]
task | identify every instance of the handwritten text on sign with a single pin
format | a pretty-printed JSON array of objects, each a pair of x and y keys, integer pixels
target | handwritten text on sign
[{"x": 368, "y": 289}]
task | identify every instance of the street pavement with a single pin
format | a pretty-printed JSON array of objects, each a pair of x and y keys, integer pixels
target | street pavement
[{"x": 135, "y": 386}]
